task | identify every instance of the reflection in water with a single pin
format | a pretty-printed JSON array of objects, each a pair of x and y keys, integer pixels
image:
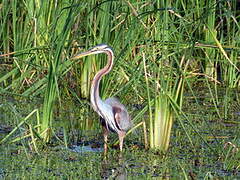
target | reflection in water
[
  {"x": 114, "y": 167},
  {"x": 119, "y": 167},
  {"x": 84, "y": 149}
]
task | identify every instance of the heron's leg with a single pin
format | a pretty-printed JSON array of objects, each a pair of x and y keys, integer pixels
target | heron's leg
[
  {"x": 105, "y": 136},
  {"x": 121, "y": 136}
]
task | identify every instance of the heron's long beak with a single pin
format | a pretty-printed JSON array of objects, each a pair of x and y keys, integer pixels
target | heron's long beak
[{"x": 83, "y": 54}]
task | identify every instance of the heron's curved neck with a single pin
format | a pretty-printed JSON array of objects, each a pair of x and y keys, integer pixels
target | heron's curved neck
[{"x": 95, "y": 98}]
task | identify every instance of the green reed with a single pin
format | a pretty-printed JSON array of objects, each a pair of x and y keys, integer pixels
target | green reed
[
  {"x": 51, "y": 28},
  {"x": 59, "y": 39},
  {"x": 210, "y": 33}
]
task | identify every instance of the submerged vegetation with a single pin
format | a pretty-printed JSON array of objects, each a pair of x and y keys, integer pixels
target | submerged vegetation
[{"x": 176, "y": 66}]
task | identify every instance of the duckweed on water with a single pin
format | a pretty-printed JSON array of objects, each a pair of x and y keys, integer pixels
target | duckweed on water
[
  {"x": 217, "y": 158},
  {"x": 180, "y": 161}
]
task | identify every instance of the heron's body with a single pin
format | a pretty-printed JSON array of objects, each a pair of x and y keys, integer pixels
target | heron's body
[
  {"x": 120, "y": 112},
  {"x": 114, "y": 115}
]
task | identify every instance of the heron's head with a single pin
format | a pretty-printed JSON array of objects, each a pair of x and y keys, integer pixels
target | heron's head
[{"x": 101, "y": 48}]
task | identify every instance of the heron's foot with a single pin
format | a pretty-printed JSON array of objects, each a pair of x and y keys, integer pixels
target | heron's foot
[{"x": 105, "y": 148}]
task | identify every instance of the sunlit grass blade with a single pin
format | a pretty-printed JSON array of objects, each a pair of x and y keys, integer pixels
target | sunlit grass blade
[{"x": 19, "y": 125}]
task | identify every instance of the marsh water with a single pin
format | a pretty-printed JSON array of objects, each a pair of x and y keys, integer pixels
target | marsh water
[{"x": 205, "y": 148}]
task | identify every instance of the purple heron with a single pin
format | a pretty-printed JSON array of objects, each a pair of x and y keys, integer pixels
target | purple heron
[{"x": 113, "y": 115}]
